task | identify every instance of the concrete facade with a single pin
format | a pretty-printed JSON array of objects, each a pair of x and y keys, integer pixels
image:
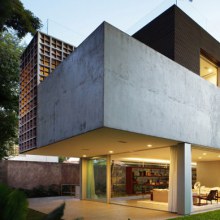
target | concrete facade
[
  {"x": 71, "y": 100},
  {"x": 145, "y": 92},
  {"x": 115, "y": 81}
]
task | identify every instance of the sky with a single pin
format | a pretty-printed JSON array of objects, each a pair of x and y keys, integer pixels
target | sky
[{"x": 73, "y": 20}]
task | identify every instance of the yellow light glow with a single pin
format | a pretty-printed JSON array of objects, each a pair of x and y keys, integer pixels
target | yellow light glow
[
  {"x": 150, "y": 160},
  {"x": 210, "y": 70}
]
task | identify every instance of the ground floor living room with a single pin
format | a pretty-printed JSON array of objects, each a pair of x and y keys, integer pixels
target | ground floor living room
[{"x": 142, "y": 178}]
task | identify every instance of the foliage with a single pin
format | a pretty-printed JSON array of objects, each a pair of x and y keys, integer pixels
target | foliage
[
  {"x": 14, "y": 15},
  {"x": 62, "y": 159},
  {"x": 4, "y": 192},
  {"x": 213, "y": 215},
  {"x": 57, "y": 213},
  {"x": 13, "y": 204},
  {"x": 10, "y": 52},
  {"x": 16, "y": 206},
  {"x": 42, "y": 191}
]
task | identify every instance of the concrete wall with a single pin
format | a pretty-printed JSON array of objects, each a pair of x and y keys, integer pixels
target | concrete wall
[
  {"x": 70, "y": 101},
  {"x": 208, "y": 173},
  {"x": 144, "y": 92},
  {"x": 27, "y": 175},
  {"x": 147, "y": 93}
]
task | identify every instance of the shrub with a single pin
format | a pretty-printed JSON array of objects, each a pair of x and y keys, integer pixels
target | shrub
[
  {"x": 42, "y": 191},
  {"x": 16, "y": 206},
  {"x": 13, "y": 204}
]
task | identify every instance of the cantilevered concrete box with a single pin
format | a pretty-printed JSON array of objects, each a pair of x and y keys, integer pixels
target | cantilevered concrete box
[{"x": 113, "y": 80}]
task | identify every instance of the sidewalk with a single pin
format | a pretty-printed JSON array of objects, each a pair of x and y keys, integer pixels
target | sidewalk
[{"x": 95, "y": 210}]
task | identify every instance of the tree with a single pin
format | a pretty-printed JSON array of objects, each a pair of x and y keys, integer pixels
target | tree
[
  {"x": 10, "y": 52},
  {"x": 14, "y": 15}
]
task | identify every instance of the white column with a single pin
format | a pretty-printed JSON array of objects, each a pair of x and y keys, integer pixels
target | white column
[
  {"x": 184, "y": 179},
  {"x": 108, "y": 178}
]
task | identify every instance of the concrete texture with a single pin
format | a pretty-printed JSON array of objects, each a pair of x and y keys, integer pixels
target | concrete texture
[
  {"x": 70, "y": 100},
  {"x": 144, "y": 92},
  {"x": 27, "y": 175},
  {"x": 147, "y": 93},
  {"x": 96, "y": 211}
]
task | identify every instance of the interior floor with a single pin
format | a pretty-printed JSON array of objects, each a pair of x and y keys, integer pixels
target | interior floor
[
  {"x": 141, "y": 201},
  {"x": 144, "y": 201}
]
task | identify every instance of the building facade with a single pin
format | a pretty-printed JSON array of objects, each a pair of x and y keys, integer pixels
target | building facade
[
  {"x": 180, "y": 38},
  {"x": 141, "y": 122},
  {"x": 40, "y": 58}
]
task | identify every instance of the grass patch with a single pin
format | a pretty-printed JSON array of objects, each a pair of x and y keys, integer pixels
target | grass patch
[
  {"x": 213, "y": 215},
  {"x": 35, "y": 215}
]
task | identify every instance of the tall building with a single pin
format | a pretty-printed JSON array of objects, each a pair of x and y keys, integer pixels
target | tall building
[{"x": 40, "y": 58}]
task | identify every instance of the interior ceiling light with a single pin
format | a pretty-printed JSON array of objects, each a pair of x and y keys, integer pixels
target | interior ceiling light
[
  {"x": 84, "y": 155},
  {"x": 204, "y": 154},
  {"x": 210, "y": 70},
  {"x": 111, "y": 151},
  {"x": 218, "y": 155},
  {"x": 149, "y": 145},
  {"x": 199, "y": 157}
]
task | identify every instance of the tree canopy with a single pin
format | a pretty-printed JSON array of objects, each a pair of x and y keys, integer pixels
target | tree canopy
[
  {"x": 10, "y": 52},
  {"x": 14, "y": 15}
]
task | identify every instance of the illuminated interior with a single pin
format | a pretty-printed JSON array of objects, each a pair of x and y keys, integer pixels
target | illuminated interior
[{"x": 208, "y": 70}]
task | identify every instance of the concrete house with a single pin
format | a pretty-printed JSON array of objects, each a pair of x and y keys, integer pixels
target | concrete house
[{"x": 142, "y": 112}]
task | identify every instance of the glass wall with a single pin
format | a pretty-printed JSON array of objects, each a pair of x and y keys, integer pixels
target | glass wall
[
  {"x": 133, "y": 183},
  {"x": 96, "y": 179},
  {"x": 208, "y": 70}
]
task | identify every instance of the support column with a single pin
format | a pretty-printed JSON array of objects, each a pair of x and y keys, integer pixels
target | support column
[
  {"x": 184, "y": 179},
  {"x": 83, "y": 178},
  {"x": 108, "y": 178}
]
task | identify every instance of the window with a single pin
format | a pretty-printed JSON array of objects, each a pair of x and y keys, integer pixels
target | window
[{"x": 208, "y": 70}]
